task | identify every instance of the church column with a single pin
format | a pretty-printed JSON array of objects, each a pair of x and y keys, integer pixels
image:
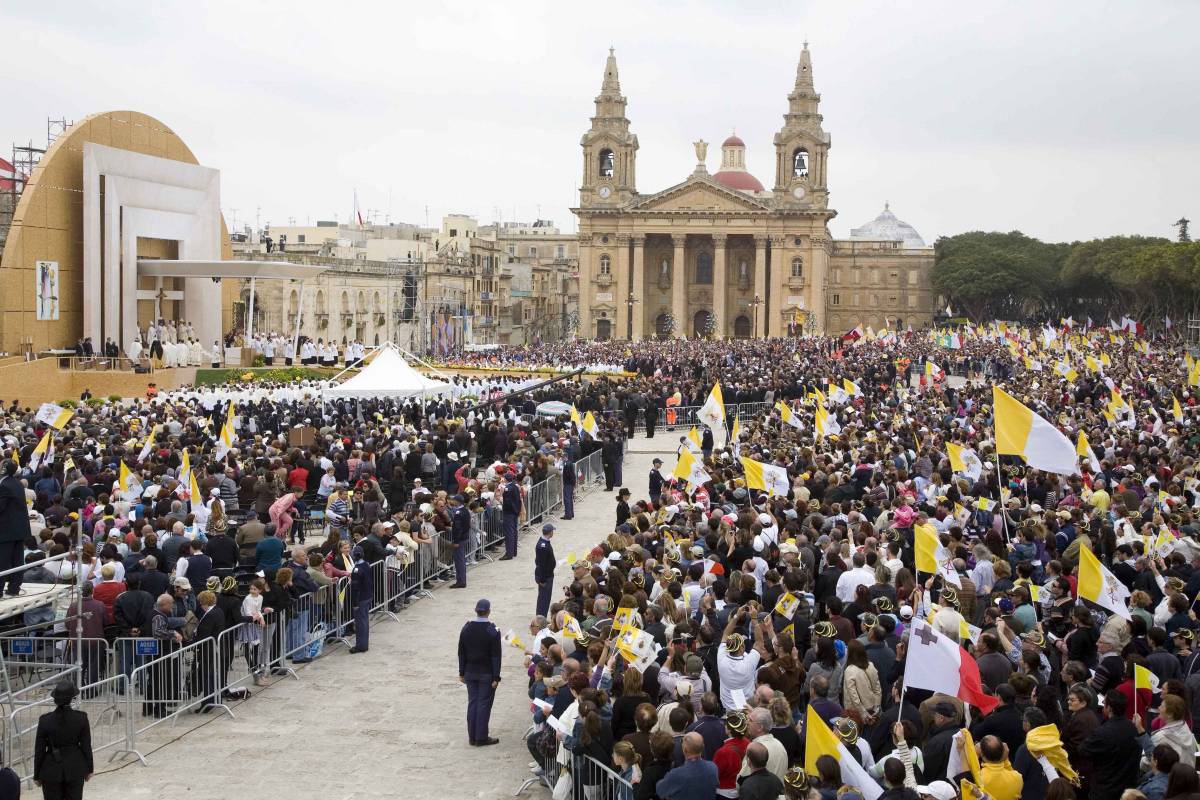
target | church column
[
  {"x": 679, "y": 285},
  {"x": 763, "y": 310},
  {"x": 719, "y": 270},
  {"x": 621, "y": 285},
  {"x": 781, "y": 266},
  {"x": 820, "y": 281},
  {"x": 638, "y": 287},
  {"x": 585, "y": 330}
]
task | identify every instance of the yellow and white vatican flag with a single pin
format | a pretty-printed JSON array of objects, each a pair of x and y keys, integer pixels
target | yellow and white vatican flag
[
  {"x": 227, "y": 436},
  {"x": 788, "y": 416},
  {"x": 1066, "y": 370},
  {"x": 1084, "y": 450},
  {"x": 851, "y": 388},
  {"x": 1100, "y": 586},
  {"x": 148, "y": 445},
  {"x": 821, "y": 741},
  {"x": 1176, "y": 409},
  {"x": 735, "y": 435},
  {"x": 964, "y": 460},
  {"x": 712, "y": 413},
  {"x": 578, "y": 420},
  {"x": 124, "y": 476},
  {"x": 590, "y": 427},
  {"x": 932, "y": 557},
  {"x": 194, "y": 496},
  {"x": 694, "y": 442},
  {"x": 826, "y": 424},
  {"x": 1021, "y": 432},
  {"x": 769, "y": 478},
  {"x": 43, "y": 453},
  {"x": 54, "y": 415},
  {"x": 690, "y": 469},
  {"x": 571, "y": 628},
  {"x": 933, "y": 371}
]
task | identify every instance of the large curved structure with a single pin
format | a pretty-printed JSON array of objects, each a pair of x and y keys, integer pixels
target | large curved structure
[{"x": 42, "y": 268}]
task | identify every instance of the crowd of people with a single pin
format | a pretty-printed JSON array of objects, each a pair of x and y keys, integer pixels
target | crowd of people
[{"x": 764, "y": 610}]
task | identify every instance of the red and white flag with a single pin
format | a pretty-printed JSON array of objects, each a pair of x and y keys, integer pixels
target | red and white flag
[
  {"x": 853, "y": 335},
  {"x": 937, "y": 663}
]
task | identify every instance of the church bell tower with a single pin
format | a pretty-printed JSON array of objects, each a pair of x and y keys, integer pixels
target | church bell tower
[
  {"x": 609, "y": 149},
  {"x": 802, "y": 146}
]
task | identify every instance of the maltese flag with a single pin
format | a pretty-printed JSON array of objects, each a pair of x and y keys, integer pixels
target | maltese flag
[{"x": 937, "y": 663}]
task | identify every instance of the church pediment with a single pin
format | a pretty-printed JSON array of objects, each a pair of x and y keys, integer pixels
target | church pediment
[{"x": 698, "y": 194}]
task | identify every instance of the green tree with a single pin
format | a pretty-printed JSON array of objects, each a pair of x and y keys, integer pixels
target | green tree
[{"x": 998, "y": 275}]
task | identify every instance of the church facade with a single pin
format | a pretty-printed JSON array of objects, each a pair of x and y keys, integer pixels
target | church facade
[{"x": 719, "y": 255}]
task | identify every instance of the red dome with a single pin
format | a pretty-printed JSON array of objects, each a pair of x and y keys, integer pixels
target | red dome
[
  {"x": 733, "y": 141},
  {"x": 742, "y": 181}
]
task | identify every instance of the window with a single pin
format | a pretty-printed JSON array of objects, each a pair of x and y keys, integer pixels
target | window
[
  {"x": 912, "y": 301},
  {"x": 560, "y": 251},
  {"x": 453, "y": 232},
  {"x": 799, "y": 162},
  {"x": 835, "y": 299},
  {"x": 605, "y": 265},
  {"x": 797, "y": 267},
  {"x": 912, "y": 277},
  {"x": 875, "y": 276},
  {"x": 300, "y": 238},
  {"x": 857, "y": 276},
  {"x": 533, "y": 252},
  {"x": 874, "y": 300},
  {"x": 894, "y": 277},
  {"x": 797, "y": 241},
  {"x": 512, "y": 249},
  {"x": 607, "y": 163},
  {"x": 855, "y": 300},
  {"x": 704, "y": 267}
]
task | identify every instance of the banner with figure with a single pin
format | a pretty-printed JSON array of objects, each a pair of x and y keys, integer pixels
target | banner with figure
[{"x": 47, "y": 290}]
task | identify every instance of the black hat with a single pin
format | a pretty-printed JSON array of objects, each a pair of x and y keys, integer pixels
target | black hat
[{"x": 64, "y": 692}]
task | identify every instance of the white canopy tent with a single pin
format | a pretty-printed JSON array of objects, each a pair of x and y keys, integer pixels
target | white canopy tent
[{"x": 387, "y": 375}]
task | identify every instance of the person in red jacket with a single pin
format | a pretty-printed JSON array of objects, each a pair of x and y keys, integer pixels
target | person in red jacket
[
  {"x": 728, "y": 757},
  {"x": 107, "y": 590}
]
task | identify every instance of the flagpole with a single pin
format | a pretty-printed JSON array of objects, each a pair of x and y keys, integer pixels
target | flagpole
[{"x": 1000, "y": 486}]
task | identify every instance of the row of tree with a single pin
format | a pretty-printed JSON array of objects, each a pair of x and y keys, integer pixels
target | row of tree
[{"x": 1014, "y": 276}]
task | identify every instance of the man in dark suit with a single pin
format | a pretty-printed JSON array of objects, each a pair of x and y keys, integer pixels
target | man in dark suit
[
  {"x": 510, "y": 504},
  {"x": 479, "y": 669},
  {"x": 610, "y": 454},
  {"x": 543, "y": 569},
  {"x": 362, "y": 593},
  {"x": 460, "y": 539},
  {"x": 569, "y": 479},
  {"x": 62, "y": 753},
  {"x": 14, "y": 526},
  {"x": 210, "y": 627}
]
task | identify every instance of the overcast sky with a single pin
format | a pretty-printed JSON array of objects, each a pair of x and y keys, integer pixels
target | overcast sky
[{"x": 1066, "y": 120}]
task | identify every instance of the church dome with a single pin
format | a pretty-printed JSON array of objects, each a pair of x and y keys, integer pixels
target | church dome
[
  {"x": 733, "y": 174},
  {"x": 887, "y": 227}
]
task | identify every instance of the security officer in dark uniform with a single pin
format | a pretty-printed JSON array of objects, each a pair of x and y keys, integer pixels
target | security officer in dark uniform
[
  {"x": 510, "y": 505},
  {"x": 656, "y": 480},
  {"x": 543, "y": 569},
  {"x": 14, "y": 526},
  {"x": 62, "y": 753},
  {"x": 479, "y": 669},
  {"x": 460, "y": 539},
  {"x": 362, "y": 595}
]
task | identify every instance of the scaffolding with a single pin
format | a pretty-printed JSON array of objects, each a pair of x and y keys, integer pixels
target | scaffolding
[{"x": 24, "y": 158}]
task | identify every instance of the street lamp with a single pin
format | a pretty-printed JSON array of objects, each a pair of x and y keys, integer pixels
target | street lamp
[
  {"x": 630, "y": 302},
  {"x": 755, "y": 303}
]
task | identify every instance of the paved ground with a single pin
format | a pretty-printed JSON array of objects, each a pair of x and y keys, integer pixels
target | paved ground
[{"x": 387, "y": 723}]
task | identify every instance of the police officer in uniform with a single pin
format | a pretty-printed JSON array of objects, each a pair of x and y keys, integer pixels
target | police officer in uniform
[
  {"x": 656, "y": 480},
  {"x": 62, "y": 753},
  {"x": 460, "y": 539},
  {"x": 543, "y": 569},
  {"x": 479, "y": 669}
]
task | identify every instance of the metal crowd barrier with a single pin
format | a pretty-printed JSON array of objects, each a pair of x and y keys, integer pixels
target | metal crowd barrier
[
  {"x": 103, "y": 702},
  {"x": 182, "y": 678},
  {"x": 36, "y": 663},
  {"x": 588, "y": 779}
]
